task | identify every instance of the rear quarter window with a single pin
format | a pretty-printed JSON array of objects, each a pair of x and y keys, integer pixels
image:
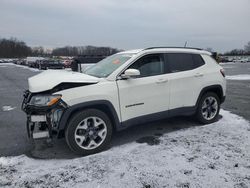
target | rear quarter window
[{"x": 198, "y": 61}]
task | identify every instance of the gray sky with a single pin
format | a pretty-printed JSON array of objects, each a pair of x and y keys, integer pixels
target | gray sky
[{"x": 127, "y": 24}]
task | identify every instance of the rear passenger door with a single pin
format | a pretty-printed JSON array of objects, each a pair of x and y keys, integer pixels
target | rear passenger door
[{"x": 185, "y": 78}]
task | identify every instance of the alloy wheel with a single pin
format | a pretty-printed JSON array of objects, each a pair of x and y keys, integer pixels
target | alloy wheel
[
  {"x": 209, "y": 108},
  {"x": 90, "y": 133}
]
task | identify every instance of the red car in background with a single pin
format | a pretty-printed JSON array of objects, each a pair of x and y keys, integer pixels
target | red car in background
[{"x": 67, "y": 63}]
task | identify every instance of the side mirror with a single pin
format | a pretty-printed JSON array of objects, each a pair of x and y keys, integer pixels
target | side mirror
[{"x": 130, "y": 73}]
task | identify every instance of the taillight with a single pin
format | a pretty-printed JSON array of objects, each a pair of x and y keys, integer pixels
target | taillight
[{"x": 222, "y": 72}]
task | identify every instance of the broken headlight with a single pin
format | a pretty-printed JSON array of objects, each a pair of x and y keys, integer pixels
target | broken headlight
[{"x": 44, "y": 100}]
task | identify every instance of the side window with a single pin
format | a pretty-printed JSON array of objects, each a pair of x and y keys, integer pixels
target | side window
[
  {"x": 179, "y": 62},
  {"x": 149, "y": 65},
  {"x": 198, "y": 61}
]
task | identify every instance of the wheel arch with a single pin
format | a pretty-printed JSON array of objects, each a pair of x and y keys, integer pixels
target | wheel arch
[
  {"x": 102, "y": 105},
  {"x": 217, "y": 89}
]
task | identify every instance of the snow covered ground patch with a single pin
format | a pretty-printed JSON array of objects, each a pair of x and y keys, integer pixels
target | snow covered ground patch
[
  {"x": 239, "y": 77},
  {"x": 29, "y": 68},
  {"x": 228, "y": 67},
  {"x": 215, "y": 155},
  {"x": 8, "y": 108},
  {"x": 228, "y": 63},
  {"x": 20, "y": 66},
  {"x": 4, "y": 64}
]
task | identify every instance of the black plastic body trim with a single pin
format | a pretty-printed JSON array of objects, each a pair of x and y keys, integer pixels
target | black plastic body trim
[
  {"x": 117, "y": 124},
  {"x": 109, "y": 109},
  {"x": 213, "y": 88},
  {"x": 223, "y": 99},
  {"x": 184, "y": 111}
]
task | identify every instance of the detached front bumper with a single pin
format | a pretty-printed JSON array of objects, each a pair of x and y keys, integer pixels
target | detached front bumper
[{"x": 42, "y": 121}]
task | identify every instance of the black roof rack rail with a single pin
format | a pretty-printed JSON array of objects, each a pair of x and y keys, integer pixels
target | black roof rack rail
[{"x": 172, "y": 47}]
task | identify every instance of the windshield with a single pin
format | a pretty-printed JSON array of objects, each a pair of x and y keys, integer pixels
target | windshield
[{"x": 108, "y": 65}]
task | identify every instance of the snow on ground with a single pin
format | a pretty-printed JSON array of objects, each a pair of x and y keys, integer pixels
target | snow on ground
[
  {"x": 227, "y": 63},
  {"x": 239, "y": 77},
  {"x": 29, "y": 68},
  {"x": 8, "y": 108},
  {"x": 215, "y": 155},
  {"x": 228, "y": 67},
  {"x": 20, "y": 66},
  {"x": 6, "y": 64}
]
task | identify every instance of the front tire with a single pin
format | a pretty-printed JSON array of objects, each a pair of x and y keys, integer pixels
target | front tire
[
  {"x": 208, "y": 108},
  {"x": 89, "y": 132}
]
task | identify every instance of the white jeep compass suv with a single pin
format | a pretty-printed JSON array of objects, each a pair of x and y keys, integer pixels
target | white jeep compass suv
[{"x": 127, "y": 88}]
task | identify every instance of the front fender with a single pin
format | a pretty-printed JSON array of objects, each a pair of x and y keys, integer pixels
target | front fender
[{"x": 68, "y": 113}]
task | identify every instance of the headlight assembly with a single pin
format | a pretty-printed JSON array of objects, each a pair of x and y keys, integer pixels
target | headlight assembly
[{"x": 44, "y": 100}]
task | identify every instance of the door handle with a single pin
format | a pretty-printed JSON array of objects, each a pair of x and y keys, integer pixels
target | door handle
[
  {"x": 198, "y": 75},
  {"x": 159, "y": 81}
]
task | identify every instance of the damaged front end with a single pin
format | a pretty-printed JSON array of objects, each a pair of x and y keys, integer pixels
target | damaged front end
[{"x": 43, "y": 111}]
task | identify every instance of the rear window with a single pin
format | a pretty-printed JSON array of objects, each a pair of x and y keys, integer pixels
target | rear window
[{"x": 178, "y": 62}]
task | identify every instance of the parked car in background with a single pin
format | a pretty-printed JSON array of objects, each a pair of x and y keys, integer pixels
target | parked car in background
[
  {"x": 81, "y": 63},
  {"x": 49, "y": 64},
  {"x": 67, "y": 63},
  {"x": 243, "y": 60},
  {"x": 20, "y": 62},
  {"x": 224, "y": 59},
  {"x": 5, "y": 60},
  {"x": 32, "y": 61}
]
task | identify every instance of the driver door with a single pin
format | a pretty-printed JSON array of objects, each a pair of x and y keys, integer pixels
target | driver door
[{"x": 148, "y": 93}]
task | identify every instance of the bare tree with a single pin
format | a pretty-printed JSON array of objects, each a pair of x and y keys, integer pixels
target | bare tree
[
  {"x": 84, "y": 50},
  {"x": 247, "y": 48},
  {"x": 38, "y": 51},
  {"x": 13, "y": 48}
]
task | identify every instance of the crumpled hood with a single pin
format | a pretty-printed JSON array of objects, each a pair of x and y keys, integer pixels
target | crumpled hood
[{"x": 51, "y": 78}]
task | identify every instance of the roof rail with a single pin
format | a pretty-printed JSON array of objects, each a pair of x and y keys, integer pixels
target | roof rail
[{"x": 172, "y": 47}]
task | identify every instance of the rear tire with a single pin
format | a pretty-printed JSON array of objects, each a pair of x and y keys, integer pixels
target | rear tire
[
  {"x": 88, "y": 132},
  {"x": 208, "y": 108}
]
